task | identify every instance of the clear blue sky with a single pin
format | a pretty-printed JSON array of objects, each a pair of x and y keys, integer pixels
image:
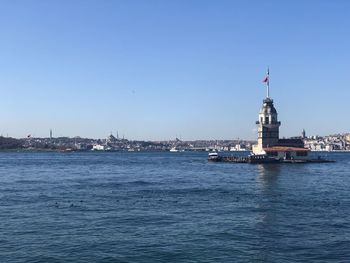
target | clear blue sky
[{"x": 154, "y": 70}]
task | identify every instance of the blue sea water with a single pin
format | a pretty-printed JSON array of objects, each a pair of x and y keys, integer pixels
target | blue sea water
[{"x": 171, "y": 207}]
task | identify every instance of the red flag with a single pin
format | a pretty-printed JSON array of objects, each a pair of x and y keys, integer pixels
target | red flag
[{"x": 266, "y": 79}]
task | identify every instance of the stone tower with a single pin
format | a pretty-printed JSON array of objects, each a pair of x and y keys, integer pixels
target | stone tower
[{"x": 268, "y": 124}]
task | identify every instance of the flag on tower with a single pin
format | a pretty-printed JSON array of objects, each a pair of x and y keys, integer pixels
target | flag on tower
[{"x": 266, "y": 79}]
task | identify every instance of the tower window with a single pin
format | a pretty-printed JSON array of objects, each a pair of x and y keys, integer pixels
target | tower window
[{"x": 266, "y": 119}]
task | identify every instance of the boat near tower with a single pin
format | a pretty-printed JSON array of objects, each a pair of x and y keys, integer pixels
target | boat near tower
[{"x": 270, "y": 148}]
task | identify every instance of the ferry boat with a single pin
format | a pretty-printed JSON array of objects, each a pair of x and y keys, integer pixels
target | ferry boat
[{"x": 213, "y": 156}]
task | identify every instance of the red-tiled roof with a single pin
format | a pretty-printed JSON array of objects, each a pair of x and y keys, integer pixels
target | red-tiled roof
[{"x": 285, "y": 149}]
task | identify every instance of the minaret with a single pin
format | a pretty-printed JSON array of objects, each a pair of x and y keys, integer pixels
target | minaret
[{"x": 268, "y": 124}]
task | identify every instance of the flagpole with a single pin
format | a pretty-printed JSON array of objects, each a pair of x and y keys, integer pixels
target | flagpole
[{"x": 268, "y": 83}]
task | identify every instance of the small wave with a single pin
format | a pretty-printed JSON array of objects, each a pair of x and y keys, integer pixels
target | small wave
[{"x": 139, "y": 182}]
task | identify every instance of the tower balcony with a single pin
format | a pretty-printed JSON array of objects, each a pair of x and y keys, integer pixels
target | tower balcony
[
  {"x": 272, "y": 125},
  {"x": 278, "y": 123}
]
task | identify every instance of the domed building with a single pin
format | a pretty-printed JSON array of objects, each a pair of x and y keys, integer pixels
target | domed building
[{"x": 268, "y": 127}]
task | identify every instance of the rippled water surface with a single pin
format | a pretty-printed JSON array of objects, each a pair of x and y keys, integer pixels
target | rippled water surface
[{"x": 171, "y": 207}]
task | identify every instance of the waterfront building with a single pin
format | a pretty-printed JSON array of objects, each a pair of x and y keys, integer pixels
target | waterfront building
[
  {"x": 347, "y": 137},
  {"x": 269, "y": 142},
  {"x": 111, "y": 139}
]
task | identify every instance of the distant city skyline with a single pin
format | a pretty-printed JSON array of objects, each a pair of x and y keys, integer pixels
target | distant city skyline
[{"x": 156, "y": 70}]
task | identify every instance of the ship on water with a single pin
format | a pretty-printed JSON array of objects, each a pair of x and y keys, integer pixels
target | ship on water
[{"x": 270, "y": 148}]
